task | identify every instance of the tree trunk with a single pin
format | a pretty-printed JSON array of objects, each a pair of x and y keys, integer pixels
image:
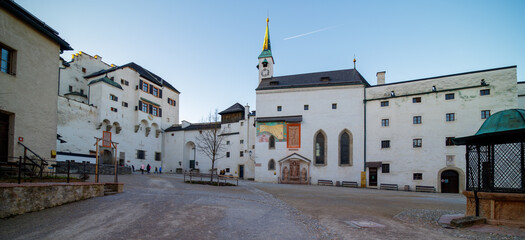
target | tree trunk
[{"x": 212, "y": 167}]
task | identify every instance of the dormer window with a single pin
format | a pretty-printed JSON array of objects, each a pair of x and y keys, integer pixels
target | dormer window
[{"x": 273, "y": 83}]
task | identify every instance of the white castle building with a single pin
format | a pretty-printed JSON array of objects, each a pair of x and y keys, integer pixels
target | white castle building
[
  {"x": 134, "y": 104},
  {"x": 335, "y": 126}
]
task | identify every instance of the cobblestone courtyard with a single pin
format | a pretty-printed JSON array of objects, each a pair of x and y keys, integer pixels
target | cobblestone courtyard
[{"x": 163, "y": 207}]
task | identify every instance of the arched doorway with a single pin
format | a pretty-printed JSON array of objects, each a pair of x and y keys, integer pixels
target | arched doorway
[{"x": 449, "y": 181}]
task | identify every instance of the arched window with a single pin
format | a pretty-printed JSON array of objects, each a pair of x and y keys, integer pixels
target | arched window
[
  {"x": 320, "y": 148},
  {"x": 345, "y": 148},
  {"x": 271, "y": 142},
  {"x": 271, "y": 165}
]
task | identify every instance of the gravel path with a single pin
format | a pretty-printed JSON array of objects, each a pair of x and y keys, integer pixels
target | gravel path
[{"x": 163, "y": 207}]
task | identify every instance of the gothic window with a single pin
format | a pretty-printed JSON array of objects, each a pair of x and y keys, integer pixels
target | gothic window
[
  {"x": 345, "y": 148},
  {"x": 320, "y": 148},
  {"x": 271, "y": 142},
  {"x": 271, "y": 165}
]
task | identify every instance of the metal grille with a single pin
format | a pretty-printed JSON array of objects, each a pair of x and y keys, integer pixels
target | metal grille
[{"x": 496, "y": 168}]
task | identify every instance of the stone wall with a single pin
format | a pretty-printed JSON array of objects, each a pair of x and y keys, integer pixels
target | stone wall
[
  {"x": 29, "y": 197},
  {"x": 78, "y": 168}
]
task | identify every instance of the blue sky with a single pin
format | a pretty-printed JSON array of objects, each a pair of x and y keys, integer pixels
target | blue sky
[{"x": 208, "y": 49}]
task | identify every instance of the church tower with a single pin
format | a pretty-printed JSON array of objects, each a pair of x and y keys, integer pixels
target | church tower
[{"x": 266, "y": 62}]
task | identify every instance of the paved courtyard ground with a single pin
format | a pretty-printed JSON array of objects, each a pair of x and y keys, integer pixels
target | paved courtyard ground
[{"x": 163, "y": 207}]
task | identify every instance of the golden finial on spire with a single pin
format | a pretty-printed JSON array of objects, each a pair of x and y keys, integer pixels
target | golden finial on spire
[{"x": 354, "y": 61}]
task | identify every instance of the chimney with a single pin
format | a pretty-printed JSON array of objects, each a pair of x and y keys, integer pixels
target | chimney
[
  {"x": 381, "y": 77},
  {"x": 246, "y": 111},
  {"x": 185, "y": 124}
]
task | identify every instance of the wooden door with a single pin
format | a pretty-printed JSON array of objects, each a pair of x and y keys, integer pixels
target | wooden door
[
  {"x": 4, "y": 137},
  {"x": 450, "y": 181},
  {"x": 372, "y": 177},
  {"x": 241, "y": 171}
]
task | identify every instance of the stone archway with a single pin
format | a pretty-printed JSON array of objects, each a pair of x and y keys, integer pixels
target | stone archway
[{"x": 449, "y": 171}]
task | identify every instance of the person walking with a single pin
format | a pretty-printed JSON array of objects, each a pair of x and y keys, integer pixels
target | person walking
[
  {"x": 160, "y": 170},
  {"x": 142, "y": 168},
  {"x": 148, "y": 168},
  {"x": 132, "y": 168},
  {"x": 156, "y": 171}
]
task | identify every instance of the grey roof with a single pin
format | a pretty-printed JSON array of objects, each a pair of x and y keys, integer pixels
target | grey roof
[
  {"x": 193, "y": 126},
  {"x": 317, "y": 79},
  {"x": 237, "y": 107},
  {"x": 106, "y": 80},
  {"x": 295, "y": 118},
  {"x": 142, "y": 71},
  {"x": 34, "y": 22},
  {"x": 443, "y": 76}
]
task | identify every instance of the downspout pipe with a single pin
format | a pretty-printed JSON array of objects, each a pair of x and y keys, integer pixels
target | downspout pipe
[{"x": 364, "y": 123}]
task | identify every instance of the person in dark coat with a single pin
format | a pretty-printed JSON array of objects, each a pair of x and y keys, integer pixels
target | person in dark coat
[
  {"x": 133, "y": 168},
  {"x": 148, "y": 168}
]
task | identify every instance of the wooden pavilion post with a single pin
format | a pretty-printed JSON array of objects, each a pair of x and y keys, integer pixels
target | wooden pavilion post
[{"x": 96, "y": 164}]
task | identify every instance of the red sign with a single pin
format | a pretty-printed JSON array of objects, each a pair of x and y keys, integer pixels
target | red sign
[
  {"x": 20, "y": 139},
  {"x": 106, "y": 139}
]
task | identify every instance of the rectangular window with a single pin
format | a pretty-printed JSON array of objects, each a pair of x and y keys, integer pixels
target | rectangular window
[
  {"x": 141, "y": 154},
  {"x": 484, "y": 92},
  {"x": 279, "y": 108},
  {"x": 242, "y": 124},
  {"x": 485, "y": 114},
  {"x": 385, "y": 168},
  {"x": 448, "y": 141},
  {"x": 145, "y": 86},
  {"x": 113, "y": 97},
  {"x": 385, "y": 144},
  {"x": 227, "y": 142},
  {"x": 84, "y": 70},
  {"x": 450, "y": 117},
  {"x": 416, "y": 100},
  {"x": 384, "y": 103},
  {"x": 114, "y": 109},
  {"x": 418, "y": 176},
  {"x": 157, "y": 156},
  {"x": 449, "y": 96},
  {"x": 171, "y": 102},
  {"x": 124, "y": 82},
  {"x": 416, "y": 120},
  {"x": 227, "y": 154},
  {"x": 70, "y": 88},
  {"x": 241, "y": 154},
  {"x": 417, "y": 143},
  {"x": 124, "y": 104},
  {"x": 241, "y": 141},
  {"x": 82, "y": 91},
  {"x": 334, "y": 105},
  {"x": 144, "y": 107},
  {"x": 385, "y": 122},
  {"x": 7, "y": 61},
  {"x": 227, "y": 169},
  {"x": 155, "y": 91},
  {"x": 306, "y": 107},
  {"x": 154, "y": 111},
  {"x": 294, "y": 135}
]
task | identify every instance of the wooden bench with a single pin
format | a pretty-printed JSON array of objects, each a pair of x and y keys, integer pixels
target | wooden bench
[
  {"x": 386, "y": 186},
  {"x": 425, "y": 188},
  {"x": 349, "y": 184},
  {"x": 226, "y": 177},
  {"x": 325, "y": 182}
]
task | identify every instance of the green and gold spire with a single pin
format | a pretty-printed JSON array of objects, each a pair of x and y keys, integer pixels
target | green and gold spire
[{"x": 267, "y": 48}]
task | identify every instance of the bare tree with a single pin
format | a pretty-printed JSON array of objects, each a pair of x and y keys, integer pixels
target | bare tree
[{"x": 211, "y": 141}]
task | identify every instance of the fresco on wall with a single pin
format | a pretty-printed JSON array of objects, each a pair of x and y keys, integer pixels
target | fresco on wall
[{"x": 266, "y": 129}]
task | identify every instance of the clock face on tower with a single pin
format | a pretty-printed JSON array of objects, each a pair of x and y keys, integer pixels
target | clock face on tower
[{"x": 265, "y": 72}]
